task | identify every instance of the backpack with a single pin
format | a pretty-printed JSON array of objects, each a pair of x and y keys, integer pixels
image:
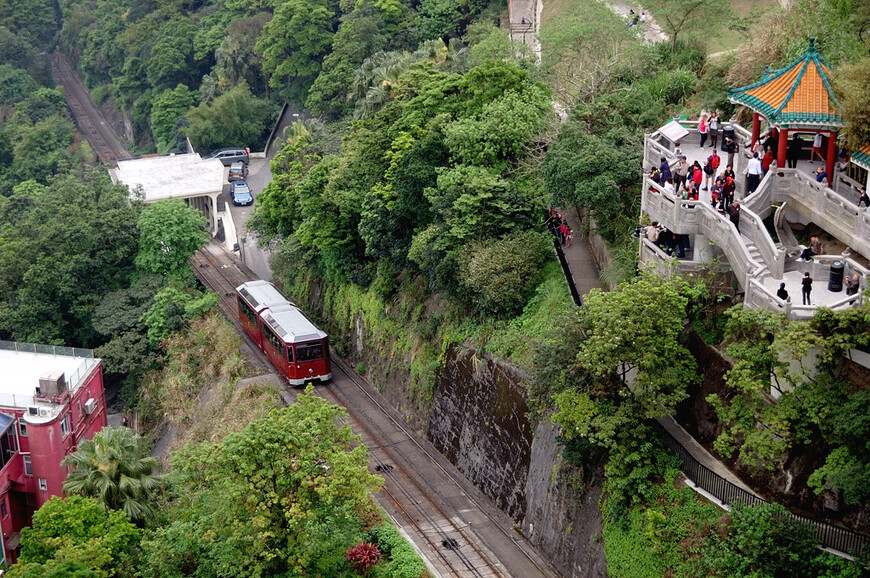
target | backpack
[
  {"x": 714, "y": 161},
  {"x": 707, "y": 168}
]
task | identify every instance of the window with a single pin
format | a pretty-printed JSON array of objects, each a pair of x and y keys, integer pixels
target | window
[
  {"x": 80, "y": 409},
  {"x": 28, "y": 466},
  {"x": 22, "y": 429},
  {"x": 64, "y": 425},
  {"x": 309, "y": 351},
  {"x": 43, "y": 484},
  {"x": 3, "y": 508},
  {"x": 247, "y": 311},
  {"x": 273, "y": 339},
  {"x": 290, "y": 353}
]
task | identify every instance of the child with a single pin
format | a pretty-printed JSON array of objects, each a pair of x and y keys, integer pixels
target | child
[{"x": 570, "y": 236}]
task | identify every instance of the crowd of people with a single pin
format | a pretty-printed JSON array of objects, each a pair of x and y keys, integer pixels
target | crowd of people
[{"x": 558, "y": 225}]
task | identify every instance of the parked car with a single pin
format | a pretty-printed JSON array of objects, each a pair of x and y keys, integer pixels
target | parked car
[
  {"x": 238, "y": 171},
  {"x": 242, "y": 194},
  {"x": 230, "y": 155}
]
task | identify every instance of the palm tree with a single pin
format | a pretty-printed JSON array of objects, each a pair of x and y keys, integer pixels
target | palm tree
[{"x": 115, "y": 468}]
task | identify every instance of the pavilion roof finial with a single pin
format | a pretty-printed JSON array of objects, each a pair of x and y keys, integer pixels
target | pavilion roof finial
[{"x": 812, "y": 47}]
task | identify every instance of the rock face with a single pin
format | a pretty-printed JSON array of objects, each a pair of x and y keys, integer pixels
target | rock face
[{"x": 479, "y": 421}]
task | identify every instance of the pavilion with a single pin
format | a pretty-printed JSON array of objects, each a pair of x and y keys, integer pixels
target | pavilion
[{"x": 795, "y": 99}]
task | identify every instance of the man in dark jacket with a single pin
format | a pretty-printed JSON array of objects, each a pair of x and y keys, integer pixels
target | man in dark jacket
[{"x": 733, "y": 211}]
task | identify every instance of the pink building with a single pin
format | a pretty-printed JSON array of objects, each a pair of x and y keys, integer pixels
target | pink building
[{"x": 51, "y": 398}]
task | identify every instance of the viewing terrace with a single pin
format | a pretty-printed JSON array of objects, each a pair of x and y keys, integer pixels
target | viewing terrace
[{"x": 759, "y": 260}]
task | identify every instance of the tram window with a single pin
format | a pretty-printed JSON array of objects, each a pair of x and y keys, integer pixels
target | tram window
[
  {"x": 290, "y": 354},
  {"x": 247, "y": 311},
  {"x": 273, "y": 339},
  {"x": 309, "y": 351}
]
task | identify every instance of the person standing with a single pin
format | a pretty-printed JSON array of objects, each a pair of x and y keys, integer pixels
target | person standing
[
  {"x": 793, "y": 152},
  {"x": 713, "y": 127},
  {"x": 682, "y": 171},
  {"x": 728, "y": 188},
  {"x": 863, "y": 200},
  {"x": 806, "y": 288},
  {"x": 665, "y": 168},
  {"x": 731, "y": 148},
  {"x": 702, "y": 129},
  {"x": 782, "y": 293},
  {"x": 817, "y": 148},
  {"x": 766, "y": 161},
  {"x": 852, "y": 285},
  {"x": 733, "y": 211},
  {"x": 753, "y": 173}
]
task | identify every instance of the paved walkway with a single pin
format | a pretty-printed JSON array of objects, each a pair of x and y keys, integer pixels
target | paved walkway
[{"x": 585, "y": 273}]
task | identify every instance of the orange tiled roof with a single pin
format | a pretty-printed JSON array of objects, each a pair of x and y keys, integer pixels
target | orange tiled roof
[{"x": 797, "y": 96}]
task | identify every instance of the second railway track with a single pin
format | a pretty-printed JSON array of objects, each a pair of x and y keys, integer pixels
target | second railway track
[{"x": 443, "y": 513}]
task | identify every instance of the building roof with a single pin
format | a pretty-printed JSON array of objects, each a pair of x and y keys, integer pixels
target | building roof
[
  {"x": 181, "y": 175},
  {"x": 797, "y": 96},
  {"x": 861, "y": 157},
  {"x": 291, "y": 325},
  {"x": 25, "y": 363}
]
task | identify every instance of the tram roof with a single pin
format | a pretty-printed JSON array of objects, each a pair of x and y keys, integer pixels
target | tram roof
[
  {"x": 291, "y": 325},
  {"x": 262, "y": 294}
]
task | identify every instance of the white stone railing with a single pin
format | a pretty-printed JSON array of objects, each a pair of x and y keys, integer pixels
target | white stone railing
[{"x": 699, "y": 218}]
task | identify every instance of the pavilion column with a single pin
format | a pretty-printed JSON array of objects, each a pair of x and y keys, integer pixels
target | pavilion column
[
  {"x": 756, "y": 128},
  {"x": 781, "y": 149},
  {"x": 831, "y": 159}
]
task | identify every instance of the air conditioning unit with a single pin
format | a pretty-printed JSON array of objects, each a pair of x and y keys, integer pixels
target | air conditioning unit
[
  {"x": 90, "y": 405},
  {"x": 32, "y": 410}
]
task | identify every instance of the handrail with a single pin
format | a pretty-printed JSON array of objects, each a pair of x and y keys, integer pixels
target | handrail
[{"x": 829, "y": 536}]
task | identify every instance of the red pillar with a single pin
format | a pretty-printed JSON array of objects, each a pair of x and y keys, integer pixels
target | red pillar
[
  {"x": 832, "y": 157},
  {"x": 756, "y": 128},
  {"x": 782, "y": 145}
]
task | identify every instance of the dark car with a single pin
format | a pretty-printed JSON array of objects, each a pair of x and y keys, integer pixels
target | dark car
[
  {"x": 238, "y": 171},
  {"x": 230, "y": 155},
  {"x": 242, "y": 194}
]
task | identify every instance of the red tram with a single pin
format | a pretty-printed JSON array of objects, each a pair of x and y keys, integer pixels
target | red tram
[{"x": 294, "y": 345}]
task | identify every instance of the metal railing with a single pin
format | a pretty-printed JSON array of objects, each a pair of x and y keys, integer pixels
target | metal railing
[{"x": 829, "y": 536}]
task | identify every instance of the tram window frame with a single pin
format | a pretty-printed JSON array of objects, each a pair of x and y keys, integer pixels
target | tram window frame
[
  {"x": 277, "y": 344},
  {"x": 290, "y": 354},
  {"x": 247, "y": 310},
  {"x": 303, "y": 349}
]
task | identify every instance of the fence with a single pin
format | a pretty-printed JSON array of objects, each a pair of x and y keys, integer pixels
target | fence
[
  {"x": 569, "y": 277},
  {"x": 833, "y": 537}
]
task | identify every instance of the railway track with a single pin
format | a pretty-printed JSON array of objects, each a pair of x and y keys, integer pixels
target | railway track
[
  {"x": 90, "y": 122},
  {"x": 440, "y": 509}
]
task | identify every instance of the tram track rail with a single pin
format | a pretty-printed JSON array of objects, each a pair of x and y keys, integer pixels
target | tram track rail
[
  {"x": 90, "y": 122},
  {"x": 442, "y": 513}
]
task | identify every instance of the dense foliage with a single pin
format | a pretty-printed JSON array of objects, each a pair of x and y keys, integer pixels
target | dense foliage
[
  {"x": 425, "y": 178},
  {"x": 81, "y": 531}
]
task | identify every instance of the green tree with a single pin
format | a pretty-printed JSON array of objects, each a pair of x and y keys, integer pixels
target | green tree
[
  {"x": 632, "y": 333},
  {"x": 115, "y": 468},
  {"x": 677, "y": 16},
  {"x": 235, "y": 117},
  {"x": 294, "y": 43},
  {"x": 500, "y": 275},
  {"x": 15, "y": 84},
  {"x": 852, "y": 83},
  {"x": 166, "y": 109},
  {"x": 172, "y": 309},
  {"x": 61, "y": 249},
  {"x": 79, "y": 531},
  {"x": 170, "y": 232},
  {"x": 283, "y": 497}
]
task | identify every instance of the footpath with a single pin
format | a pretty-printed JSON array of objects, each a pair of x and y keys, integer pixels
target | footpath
[{"x": 585, "y": 272}]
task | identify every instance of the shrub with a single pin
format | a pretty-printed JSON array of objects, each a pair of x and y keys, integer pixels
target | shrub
[
  {"x": 500, "y": 275},
  {"x": 363, "y": 556}
]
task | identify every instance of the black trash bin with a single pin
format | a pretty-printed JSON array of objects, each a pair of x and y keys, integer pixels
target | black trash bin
[
  {"x": 727, "y": 131},
  {"x": 835, "y": 282}
]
